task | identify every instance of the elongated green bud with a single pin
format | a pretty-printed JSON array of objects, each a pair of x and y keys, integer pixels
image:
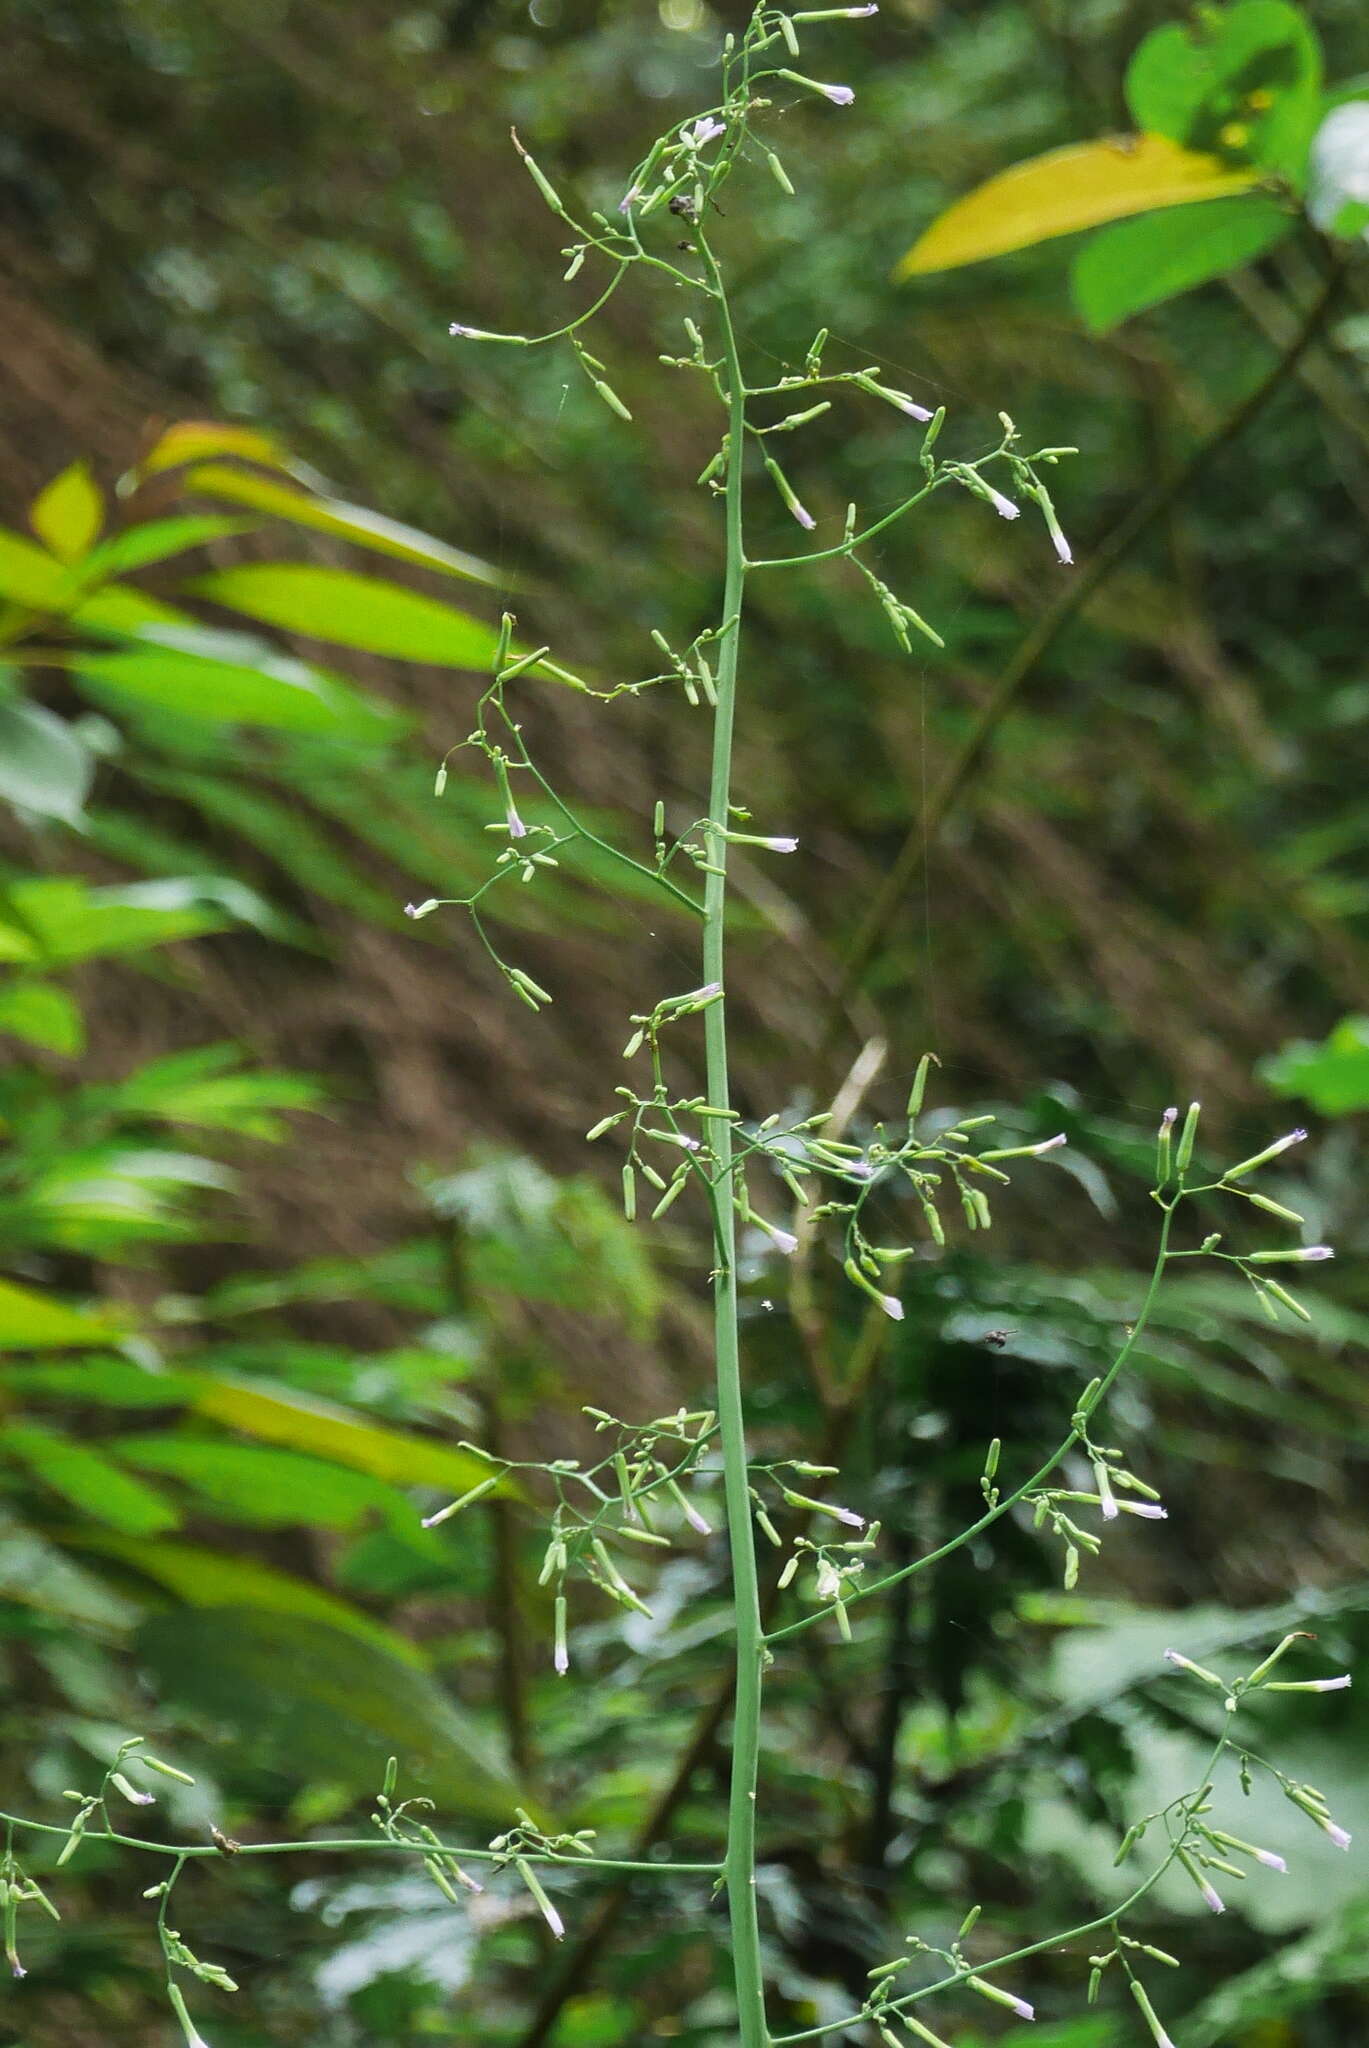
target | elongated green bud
[
  {"x": 466, "y": 1500},
  {"x": 1184, "y": 1155},
  {"x": 779, "y": 173},
  {"x": 539, "y": 179}
]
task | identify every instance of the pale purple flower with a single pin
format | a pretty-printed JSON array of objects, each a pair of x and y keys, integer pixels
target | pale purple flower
[
  {"x": 781, "y": 845},
  {"x": 829, "y": 1581},
  {"x": 1018, "y": 2005},
  {"x": 1317, "y": 1251},
  {"x": 912, "y": 408},
  {"x": 1062, "y": 547},
  {"x": 462, "y": 333},
  {"x": 849, "y": 1516},
  {"x": 1338, "y": 1835},
  {"x": 1148, "y": 1510},
  {"x": 552, "y": 1918},
  {"x": 420, "y": 909},
  {"x": 1271, "y": 1861},
  {"x": 783, "y": 1240},
  {"x": 839, "y": 95},
  {"x": 696, "y": 1521},
  {"x": 705, "y": 129},
  {"x": 803, "y": 515},
  {"x": 629, "y": 199},
  {"x": 890, "y": 1303},
  {"x": 1047, "y": 1144},
  {"x": 1211, "y": 1896},
  {"x": 517, "y": 829},
  {"x": 1004, "y": 507},
  {"x": 562, "y": 1660}
]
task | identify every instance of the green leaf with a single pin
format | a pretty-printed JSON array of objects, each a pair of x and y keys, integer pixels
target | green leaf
[
  {"x": 42, "y": 1014},
  {"x": 99, "y": 1381},
  {"x": 278, "y": 1415},
  {"x": 1332, "y": 1076},
  {"x": 193, "y": 440},
  {"x": 68, "y": 513},
  {"x": 122, "y": 613},
  {"x": 43, "y": 766},
  {"x": 355, "y": 611},
  {"x": 89, "y": 1482},
  {"x": 270, "y": 1488},
  {"x": 207, "y": 1578},
  {"x": 34, "y": 1573},
  {"x": 57, "y": 919},
  {"x": 30, "y": 577},
  {"x": 1141, "y": 263},
  {"x": 335, "y": 516},
  {"x": 30, "y": 1321},
  {"x": 154, "y": 540},
  {"x": 107, "y": 1196},
  {"x": 231, "y": 678},
  {"x": 196, "y": 1087},
  {"x": 1244, "y": 81},
  {"x": 1083, "y": 185},
  {"x": 298, "y": 1696}
]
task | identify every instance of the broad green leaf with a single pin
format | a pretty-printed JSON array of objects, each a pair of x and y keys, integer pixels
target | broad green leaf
[
  {"x": 99, "y": 1381},
  {"x": 234, "y": 679},
  {"x": 34, "y": 1573},
  {"x": 270, "y": 1488},
  {"x": 57, "y": 919},
  {"x": 1084, "y": 185},
  {"x": 88, "y": 1481},
  {"x": 294, "y": 1690},
  {"x": 207, "y": 1578},
  {"x": 30, "y": 577},
  {"x": 43, "y": 766},
  {"x": 42, "y": 1014},
  {"x": 354, "y": 611},
  {"x": 68, "y": 513},
  {"x": 1290, "y": 1975},
  {"x": 335, "y": 516},
  {"x": 194, "y": 440},
  {"x": 279, "y": 1416},
  {"x": 1332, "y": 1076},
  {"x": 1242, "y": 80},
  {"x": 154, "y": 540},
  {"x": 30, "y": 1321},
  {"x": 1141, "y": 263},
  {"x": 123, "y": 613}
]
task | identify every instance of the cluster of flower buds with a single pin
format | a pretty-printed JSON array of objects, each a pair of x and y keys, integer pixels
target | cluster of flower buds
[{"x": 519, "y": 1845}]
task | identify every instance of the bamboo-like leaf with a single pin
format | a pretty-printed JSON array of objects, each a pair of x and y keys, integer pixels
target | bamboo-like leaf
[
  {"x": 334, "y": 515},
  {"x": 1083, "y": 185},
  {"x": 89, "y": 1482},
  {"x": 30, "y": 1321},
  {"x": 43, "y": 766},
  {"x": 366, "y": 612}
]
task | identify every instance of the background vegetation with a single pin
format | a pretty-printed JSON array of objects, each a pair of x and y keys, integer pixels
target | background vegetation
[{"x": 292, "y": 1201}]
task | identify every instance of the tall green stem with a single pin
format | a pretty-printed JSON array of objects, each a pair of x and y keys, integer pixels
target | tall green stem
[{"x": 740, "y": 1865}]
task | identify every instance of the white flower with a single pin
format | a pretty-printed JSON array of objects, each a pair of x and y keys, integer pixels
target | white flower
[
  {"x": 1271, "y": 1861},
  {"x": 1004, "y": 507},
  {"x": 839, "y": 95},
  {"x": 1338, "y": 168}
]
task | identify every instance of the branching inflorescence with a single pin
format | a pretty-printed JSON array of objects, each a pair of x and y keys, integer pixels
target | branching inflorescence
[{"x": 651, "y": 1481}]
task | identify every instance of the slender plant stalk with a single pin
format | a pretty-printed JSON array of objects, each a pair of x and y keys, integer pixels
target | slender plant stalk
[{"x": 750, "y": 1645}]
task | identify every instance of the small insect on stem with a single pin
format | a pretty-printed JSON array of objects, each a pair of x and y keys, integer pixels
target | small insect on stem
[{"x": 225, "y": 1844}]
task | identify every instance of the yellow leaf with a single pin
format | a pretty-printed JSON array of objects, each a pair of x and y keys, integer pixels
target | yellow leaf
[{"x": 1081, "y": 186}]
